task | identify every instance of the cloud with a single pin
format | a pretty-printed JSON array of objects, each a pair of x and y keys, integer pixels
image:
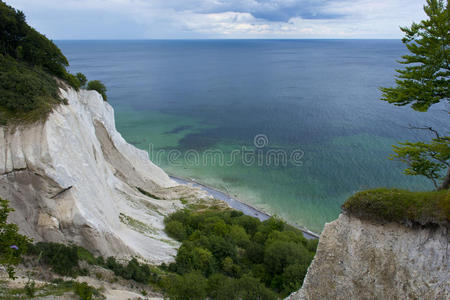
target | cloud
[
  {"x": 270, "y": 10},
  {"x": 110, "y": 19}
]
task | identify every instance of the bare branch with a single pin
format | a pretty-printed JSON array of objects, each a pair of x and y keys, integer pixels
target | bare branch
[
  {"x": 434, "y": 182},
  {"x": 436, "y": 133}
]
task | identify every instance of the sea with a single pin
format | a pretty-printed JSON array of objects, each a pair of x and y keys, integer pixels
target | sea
[{"x": 292, "y": 127}]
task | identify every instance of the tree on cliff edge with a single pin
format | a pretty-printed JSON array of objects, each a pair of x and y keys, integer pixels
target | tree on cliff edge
[{"x": 424, "y": 82}]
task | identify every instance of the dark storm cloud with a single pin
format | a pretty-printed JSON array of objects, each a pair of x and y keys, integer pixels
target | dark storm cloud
[{"x": 270, "y": 10}]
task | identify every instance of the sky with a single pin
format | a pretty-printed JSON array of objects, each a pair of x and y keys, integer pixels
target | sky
[{"x": 219, "y": 19}]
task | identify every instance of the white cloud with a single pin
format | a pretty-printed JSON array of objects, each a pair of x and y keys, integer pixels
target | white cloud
[{"x": 78, "y": 19}]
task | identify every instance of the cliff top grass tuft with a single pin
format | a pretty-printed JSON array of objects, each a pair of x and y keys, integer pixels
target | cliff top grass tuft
[{"x": 405, "y": 207}]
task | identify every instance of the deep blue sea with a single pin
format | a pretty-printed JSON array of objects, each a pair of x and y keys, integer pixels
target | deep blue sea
[{"x": 313, "y": 105}]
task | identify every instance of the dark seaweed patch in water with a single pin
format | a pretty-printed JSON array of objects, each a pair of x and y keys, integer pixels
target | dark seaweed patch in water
[
  {"x": 198, "y": 141},
  {"x": 178, "y": 129}
]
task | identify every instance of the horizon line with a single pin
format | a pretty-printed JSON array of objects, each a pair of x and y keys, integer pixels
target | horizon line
[{"x": 222, "y": 39}]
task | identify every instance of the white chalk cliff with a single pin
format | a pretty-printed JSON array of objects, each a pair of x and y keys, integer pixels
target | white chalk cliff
[
  {"x": 360, "y": 259},
  {"x": 73, "y": 178}
]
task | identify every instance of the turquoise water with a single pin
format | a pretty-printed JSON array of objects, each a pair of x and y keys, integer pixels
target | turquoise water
[{"x": 194, "y": 105}]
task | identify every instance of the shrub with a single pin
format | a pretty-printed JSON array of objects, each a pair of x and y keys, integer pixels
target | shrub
[
  {"x": 98, "y": 86},
  {"x": 189, "y": 286},
  {"x": 133, "y": 270},
  {"x": 12, "y": 244},
  {"x": 176, "y": 230},
  {"x": 30, "y": 288},
  {"x": 73, "y": 81},
  {"x": 393, "y": 205},
  {"x": 82, "y": 79},
  {"x": 87, "y": 256},
  {"x": 61, "y": 258},
  {"x": 84, "y": 290},
  {"x": 250, "y": 288},
  {"x": 293, "y": 276}
]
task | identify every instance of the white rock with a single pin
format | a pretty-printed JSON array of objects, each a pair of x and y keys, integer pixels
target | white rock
[
  {"x": 358, "y": 259},
  {"x": 73, "y": 178}
]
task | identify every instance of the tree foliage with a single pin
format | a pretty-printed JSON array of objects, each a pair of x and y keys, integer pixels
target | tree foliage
[
  {"x": 98, "y": 86},
  {"x": 61, "y": 258},
  {"x": 426, "y": 159},
  {"x": 82, "y": 79},
  {"x": 423, "y": 82},
  {"x": 132, "y": 270},
  {"x": 22, "y": 42},
  {"x": 25, "y": 92},
  {"x": 190, "y": 286},
  {"x": 239, "y": 256},
  {"x": 425, "y": 79},
  {"x": 12, "y": 244}
]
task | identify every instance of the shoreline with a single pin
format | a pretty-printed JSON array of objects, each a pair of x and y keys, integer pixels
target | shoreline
[{"x": 237, "y": 204}]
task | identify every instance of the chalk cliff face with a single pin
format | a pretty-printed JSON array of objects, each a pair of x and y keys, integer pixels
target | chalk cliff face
[
  {"x": 73, "y": 178},
  {"x": 358, "y": 259}
]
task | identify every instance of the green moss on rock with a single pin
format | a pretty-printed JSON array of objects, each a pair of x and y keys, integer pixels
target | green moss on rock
[{"x": 394, "y": 205}]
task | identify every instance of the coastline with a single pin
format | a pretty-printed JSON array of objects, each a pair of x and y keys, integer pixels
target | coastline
[{"x": 238, "y": 204}]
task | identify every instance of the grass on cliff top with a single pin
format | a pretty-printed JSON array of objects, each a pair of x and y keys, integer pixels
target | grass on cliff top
[{"x": 393, "y": 205}]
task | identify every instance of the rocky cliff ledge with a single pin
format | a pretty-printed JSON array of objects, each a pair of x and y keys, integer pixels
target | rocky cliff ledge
[
  {"x": 73, "y": 178},
  {"x": 359, "y": 259}
]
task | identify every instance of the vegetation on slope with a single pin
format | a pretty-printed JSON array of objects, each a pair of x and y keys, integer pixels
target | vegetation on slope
[
  {"x": 29, "y": 66},
  {"x": 57, "y": 288},
  {"x": 12, "y": 244},
  {"x": 27, "y": 93},
  {"x": 224, "y": 255},
  {"x": 227, "y": 255},
  {"x": 393, "y": 205}
]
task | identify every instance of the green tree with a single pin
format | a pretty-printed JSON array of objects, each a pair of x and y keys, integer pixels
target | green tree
[
  {"x": 176, "y": 230},
  {"x": 81, "y": 78},
  {"x": 250, "y": 288},
  {"x": 293, "y": 277},
  {"x": 191, "y": 286},
  {"x": 427, "y": 159},
  {"x": 280, "y": 254},
  {"x": 425, "y": 79},
  {"x": 21, "y": 41},
  {"x": 424, "y": 82},
  {"x": 221, "y": 287},
  {"x": 98, "y": 86},
  {"x": 12, "y": 244},
  {"x": 73, "y": 81}
]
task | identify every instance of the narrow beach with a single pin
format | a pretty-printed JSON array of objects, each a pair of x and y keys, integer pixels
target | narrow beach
[{"x": 239, "y": 205}]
